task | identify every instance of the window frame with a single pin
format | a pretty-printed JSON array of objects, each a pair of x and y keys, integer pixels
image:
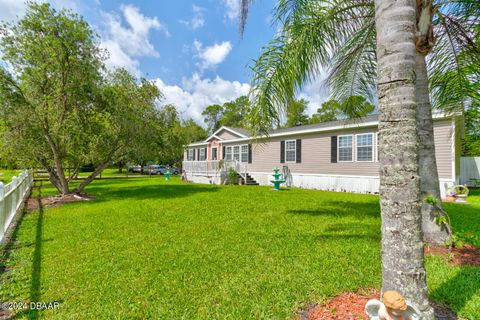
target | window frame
[
  {"x": 216, "y": 153},
  {"x": 242, "y": 153},
  {"x": 190, "y": 153},
  {"x": 233, "y": 152},
  {"x": 202, "y": 154},
  {"x": 352, "y": 147},
  {"x": 372, "y": 146},
  {"x": 227, "y": 148},
  {"x": 294, "y": 151}
]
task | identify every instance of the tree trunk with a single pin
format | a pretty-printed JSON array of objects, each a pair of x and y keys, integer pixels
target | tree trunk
[
  {"x": 91, "y": 177},
  {"x": 429, "y": 183},
  {"x": 402, "y": 240},
  {"x": 60, "y": 174}
]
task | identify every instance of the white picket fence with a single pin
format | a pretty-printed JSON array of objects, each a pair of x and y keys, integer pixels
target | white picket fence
[{"x": 12, "y": 196}]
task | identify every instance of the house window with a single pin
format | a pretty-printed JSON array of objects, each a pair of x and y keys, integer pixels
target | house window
[
  {"x": 214, "y": 154},
  {"x": 345, "y": 148},
  {"x": 364, "y": 146},
  {"x": 244, "y": 153},
  {"x": 228, "y": 153},
  {"x": 290, "y": 150},
  {"x": 203, "y": 155},
  {"x": 236, "y": 153},
  {"x": 190, "y": 154}
]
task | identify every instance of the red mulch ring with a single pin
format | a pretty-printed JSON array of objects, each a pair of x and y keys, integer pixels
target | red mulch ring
[
  {"x": 351, "y": 306},
  {"x": 345, "y": 306},
  {"x": 53, "y": 201},
  {"x": 465, "y": 255}
]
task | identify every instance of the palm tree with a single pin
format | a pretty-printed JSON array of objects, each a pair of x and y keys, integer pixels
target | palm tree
[
  {"x": 316, "y": 34},
  {"x": 402, "y": 246}
]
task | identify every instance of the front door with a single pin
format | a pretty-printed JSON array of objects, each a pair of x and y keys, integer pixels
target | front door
[{"x": 214, "y": 154}]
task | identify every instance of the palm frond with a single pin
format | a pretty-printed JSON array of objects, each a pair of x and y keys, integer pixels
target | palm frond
[{"x": 309, "y": 36}]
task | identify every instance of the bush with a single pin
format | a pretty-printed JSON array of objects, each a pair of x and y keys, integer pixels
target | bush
[{"x": 232, "y": 177}]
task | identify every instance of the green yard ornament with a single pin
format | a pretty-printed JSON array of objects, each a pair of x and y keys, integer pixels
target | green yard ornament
[
  {"x": 168, "y": 175},
  {"x": 278, "y": 179}
]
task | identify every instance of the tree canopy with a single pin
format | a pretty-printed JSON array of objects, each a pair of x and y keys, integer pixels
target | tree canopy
[
  {"x": 59, "y": 106},
  {"x": 233, "y": 114}
]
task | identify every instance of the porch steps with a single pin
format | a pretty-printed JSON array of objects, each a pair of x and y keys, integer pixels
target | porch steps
[{"x": 250, "y": 181}]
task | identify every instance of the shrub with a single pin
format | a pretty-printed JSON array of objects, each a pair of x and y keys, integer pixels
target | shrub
[{"x": 232, "y": 176}]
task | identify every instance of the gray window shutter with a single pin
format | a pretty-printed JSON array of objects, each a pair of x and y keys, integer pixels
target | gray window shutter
[
  {"x": 333, "y": 149},
  {"x": 198, "y": 154},
  {"x": 249, "y": 153},
  {"x": 206, "y": 156},
  {"x": 194, "y": 154},
  {"x": 223, "y": 152},
  {"x": 299, "y": 151},
  {"x": 282, "y": 151}
]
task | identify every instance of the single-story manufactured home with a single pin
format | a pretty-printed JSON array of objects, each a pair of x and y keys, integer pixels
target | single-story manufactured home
[{"x": 337, "y": 155}]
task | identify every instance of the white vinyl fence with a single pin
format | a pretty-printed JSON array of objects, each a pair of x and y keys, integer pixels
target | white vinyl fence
[
  {"x": 469, "y": 169},
  {"x": 12, "y": 196}
]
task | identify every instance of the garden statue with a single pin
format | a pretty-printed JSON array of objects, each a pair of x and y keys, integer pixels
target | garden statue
[{"x": 393, "y": 307}]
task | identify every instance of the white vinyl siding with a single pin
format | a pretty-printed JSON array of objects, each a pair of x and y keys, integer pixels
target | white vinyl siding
[
  {"x": 290, "y": 151},
  {"x": 345, "y": 148},
  {"x": 364, "y": 147}
]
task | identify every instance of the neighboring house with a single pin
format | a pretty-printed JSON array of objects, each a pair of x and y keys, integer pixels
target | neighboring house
[{"x": 337, "y": 155}]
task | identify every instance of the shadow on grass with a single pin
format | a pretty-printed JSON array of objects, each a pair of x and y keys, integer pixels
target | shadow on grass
[
  {"x": 104, "y": 191},
  {"x": 457, "y": 291},
  {"x": 342, "y": 208}
]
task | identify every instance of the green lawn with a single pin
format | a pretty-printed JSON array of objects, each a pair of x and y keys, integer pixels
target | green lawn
[
  {"x": 7, "y": 175},
  {"x": 147, "y": 248}
]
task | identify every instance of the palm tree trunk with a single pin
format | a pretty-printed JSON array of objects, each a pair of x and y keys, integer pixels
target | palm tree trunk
[
  {"x": 402, "y": 241},
  {"x": 429, "y": 183}
]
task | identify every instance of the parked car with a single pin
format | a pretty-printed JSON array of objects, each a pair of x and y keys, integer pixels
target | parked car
[
  {"x": 155, "y": 169},
  {"x": 175, "y": 170},
  {"x": 134, "y": 168}
]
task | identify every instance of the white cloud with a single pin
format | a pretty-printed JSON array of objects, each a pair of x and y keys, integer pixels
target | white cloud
[
  {"x": 11, "y": 9},
  {"x": 232, "y": 8},
  {"x": 126, "y": 43},
  {"x": 195, "y": 94},
  {"x": 197, "y": 21},
  {"x": 213, "y": 55},
  {"x": 316, "y": 93}
]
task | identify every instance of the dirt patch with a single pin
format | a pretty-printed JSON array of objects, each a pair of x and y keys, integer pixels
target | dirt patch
[
  {"x": 53, "y": 201},
  {"x": 351, "y": 306},
  {"x": 465, "y": 255}
]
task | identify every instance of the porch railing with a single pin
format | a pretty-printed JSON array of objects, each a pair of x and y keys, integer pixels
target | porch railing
[{"x": 214, "y": 167}]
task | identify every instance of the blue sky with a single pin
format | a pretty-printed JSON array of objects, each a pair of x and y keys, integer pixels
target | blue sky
[{"x": 191, "y": 49}]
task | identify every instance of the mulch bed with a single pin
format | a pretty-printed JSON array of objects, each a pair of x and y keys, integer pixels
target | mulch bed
[
  {"x": 53, "y": 201},
  {"x": 345, "y": 306},
  {"x": 465, "y": 255},
  {"x": 351, "y": 306}
]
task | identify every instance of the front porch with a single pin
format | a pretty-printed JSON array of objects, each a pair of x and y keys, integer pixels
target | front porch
[{"x": 216, "y": 171}]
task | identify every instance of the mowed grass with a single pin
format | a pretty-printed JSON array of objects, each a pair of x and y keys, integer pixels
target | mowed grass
[
  {"x": 146, "y": 248},
  {"x": 7, "y": 175}
]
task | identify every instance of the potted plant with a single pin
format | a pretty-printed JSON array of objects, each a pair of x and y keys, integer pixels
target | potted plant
[{"x": 461, "y": 192}]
